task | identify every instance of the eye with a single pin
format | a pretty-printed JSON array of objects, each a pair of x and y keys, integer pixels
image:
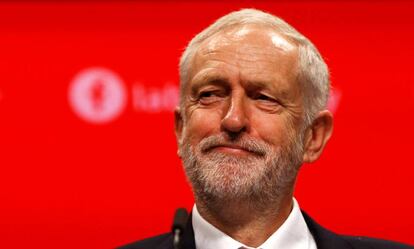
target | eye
[
  {"x": 208, "y": 97},
  {"x": 208, "y": 94},
  {"x": 265, "y": 98}
]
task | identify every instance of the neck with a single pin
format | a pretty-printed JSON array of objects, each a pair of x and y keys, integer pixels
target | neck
[{"x": 244, "y": 222}]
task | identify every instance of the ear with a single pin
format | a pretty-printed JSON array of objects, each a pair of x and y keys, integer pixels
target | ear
[
  {"x": 317, "y": 135},
  {"x": 178, "y": 126}
]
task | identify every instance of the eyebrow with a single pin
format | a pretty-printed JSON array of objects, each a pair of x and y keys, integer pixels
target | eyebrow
[
  {"x": 259, "y": 84},
  {"x": 208, "y": 80},
  {"x": 219, "y": 80}
]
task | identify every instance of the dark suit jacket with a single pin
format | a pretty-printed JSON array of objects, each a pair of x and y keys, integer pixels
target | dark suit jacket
[{"x": 324, "y": 240}]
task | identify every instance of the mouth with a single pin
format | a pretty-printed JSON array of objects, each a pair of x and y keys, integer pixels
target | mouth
[{"x": 234, "y": 149}]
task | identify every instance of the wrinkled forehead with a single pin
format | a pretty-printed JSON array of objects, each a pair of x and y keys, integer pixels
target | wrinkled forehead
[
  {"x": 247, "y": 48},
  {"x": 248, "y": 35}
]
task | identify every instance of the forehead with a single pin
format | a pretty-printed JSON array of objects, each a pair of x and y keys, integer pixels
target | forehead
[
  {"x": 252, "y": 35},
  {"x": 252, "y": 52}
]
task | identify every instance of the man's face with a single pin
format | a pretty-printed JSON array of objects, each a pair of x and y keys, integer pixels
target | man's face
[{"x": 241, "y": 127}]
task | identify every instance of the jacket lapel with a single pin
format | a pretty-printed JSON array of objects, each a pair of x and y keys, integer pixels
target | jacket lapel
[
  {"x": 324, "y": 238},
  {"x": 188, "y": 235}
]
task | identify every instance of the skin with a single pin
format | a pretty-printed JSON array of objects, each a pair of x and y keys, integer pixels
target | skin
[{"x": 243, "y": 81}]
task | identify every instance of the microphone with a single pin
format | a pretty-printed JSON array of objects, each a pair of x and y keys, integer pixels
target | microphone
[{"x": 178, "y": 227}]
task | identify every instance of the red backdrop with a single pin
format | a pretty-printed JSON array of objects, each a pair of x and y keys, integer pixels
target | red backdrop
[{"x": 73, "y": 177}]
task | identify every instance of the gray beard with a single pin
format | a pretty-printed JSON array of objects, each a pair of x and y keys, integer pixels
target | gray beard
[{"x": 257, "y": 180}]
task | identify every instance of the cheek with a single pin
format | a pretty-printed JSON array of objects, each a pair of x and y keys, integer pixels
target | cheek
[
  {"x": 202, "y": 123},
  {"x": 271, "y": 128}
]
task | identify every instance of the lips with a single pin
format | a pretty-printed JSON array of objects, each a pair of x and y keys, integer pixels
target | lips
[
  {"x": 241, "y": 146},
  {"x": 233, "y": 149}
]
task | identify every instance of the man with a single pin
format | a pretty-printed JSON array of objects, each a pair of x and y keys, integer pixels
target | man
[{"x": 252, "y": 110}]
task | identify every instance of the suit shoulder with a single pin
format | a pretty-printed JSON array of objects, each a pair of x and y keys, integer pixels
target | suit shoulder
[
  {"x": 162, "y": 241},
  {"x": 370, "y": 243}
]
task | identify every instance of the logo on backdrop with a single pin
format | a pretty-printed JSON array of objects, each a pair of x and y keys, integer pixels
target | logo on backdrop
[{"x": 97, "y": 95}]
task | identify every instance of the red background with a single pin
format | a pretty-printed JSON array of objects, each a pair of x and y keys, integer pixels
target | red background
[{"x": 67, "y": 183}]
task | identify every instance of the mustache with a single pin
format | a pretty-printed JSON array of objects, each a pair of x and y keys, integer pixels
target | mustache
[{"x": 245, "y": 142}]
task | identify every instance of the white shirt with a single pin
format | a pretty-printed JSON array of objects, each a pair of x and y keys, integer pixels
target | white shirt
[{"x": 293, "y": 234}]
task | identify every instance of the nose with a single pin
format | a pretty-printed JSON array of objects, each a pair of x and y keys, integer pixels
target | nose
[{"x": 235, "y": 120}]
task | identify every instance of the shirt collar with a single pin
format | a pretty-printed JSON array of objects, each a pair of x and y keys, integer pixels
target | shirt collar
[{"x": 293, "y": 234}]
